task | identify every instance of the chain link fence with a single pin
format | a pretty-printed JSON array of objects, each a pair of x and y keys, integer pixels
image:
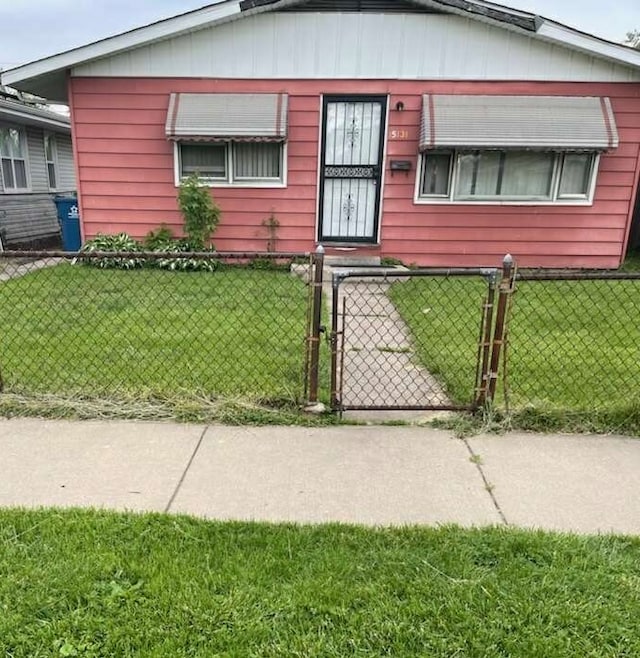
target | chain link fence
[
  {"x": 202, "y": 327},
  {"x": 551, "y": 342},
  {"x": 409, "y": 339},
  {"x": 143, "y": 325},
  {"x": 573, "y": 343}
]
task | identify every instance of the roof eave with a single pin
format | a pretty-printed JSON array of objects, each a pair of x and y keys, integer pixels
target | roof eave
[
  {"x": 24, "y": 117},
  {"x": 587, "y": 43},
  {"x": 16, "y": 77},
  {"x": 49, "y": 75}
]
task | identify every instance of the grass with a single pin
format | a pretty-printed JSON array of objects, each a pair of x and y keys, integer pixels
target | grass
[
  {"x": 181, "y": 409},
  {"x": 575, "y": 345},
  {"x": 444, "y": 317},
  {"x": 573, "y": 351},
  {"x": 97, "y": 584},
  {"x": 231, "y": 339},
  {"x": 632, "y": 262}
]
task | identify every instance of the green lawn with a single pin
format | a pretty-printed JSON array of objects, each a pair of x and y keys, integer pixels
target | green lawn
[
  {"x": 236, "y": 333},
  {"x": 573, "y": 351},
  {"x": 97, "y": 584},
  {"x": 444, "y": 317}
]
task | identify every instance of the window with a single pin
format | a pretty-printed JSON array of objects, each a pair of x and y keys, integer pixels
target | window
[
  {"x": 234, "y": 163},
  {"x": 13, "y": 153},
  {"x": 51, "y": 156},
  {"x": 230, "y": 139},
  {"x": 577, "y": 172},
  {"x": 208, "y": 161},
  {"x": 518, "y": 176},
  {"x": 436, "y": 174}
]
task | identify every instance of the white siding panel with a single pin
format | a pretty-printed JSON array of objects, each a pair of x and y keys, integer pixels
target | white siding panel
[
  {"x": 38, "y": 175},
  {"x": 66, "y": 169},
  {"x": 26, "y": 217},
  {"x": 360, "y": 46}
]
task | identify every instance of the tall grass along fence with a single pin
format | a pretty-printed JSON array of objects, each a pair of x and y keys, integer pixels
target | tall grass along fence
[{"x": 183, "y": 329}]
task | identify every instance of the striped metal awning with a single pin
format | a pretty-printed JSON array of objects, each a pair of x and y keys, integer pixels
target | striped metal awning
[
  {"x": 227, "y": 117},
  {"x": 575, "y": 123}
]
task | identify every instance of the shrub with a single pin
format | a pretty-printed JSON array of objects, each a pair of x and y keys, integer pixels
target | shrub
[
  {"x": 155, "y": 240},
  {"x": 121, "y": 242},
  {"x": 184, "y": 264},
  {"x": 201, "y": 214}
]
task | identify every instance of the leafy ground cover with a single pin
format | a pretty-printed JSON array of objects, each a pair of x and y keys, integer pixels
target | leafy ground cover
[
  {"x": 193, "y": 341},
  {"x": 100, "y": 584}
]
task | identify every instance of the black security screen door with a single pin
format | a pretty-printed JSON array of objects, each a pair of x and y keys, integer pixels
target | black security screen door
[{"x": 351, "y": 167}]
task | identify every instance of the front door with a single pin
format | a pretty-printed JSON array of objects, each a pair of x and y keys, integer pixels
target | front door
[{"x": 353, "y": 132}]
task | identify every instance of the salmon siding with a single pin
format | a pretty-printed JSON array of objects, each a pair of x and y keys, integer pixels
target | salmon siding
[{"x": 126, "y": 173}]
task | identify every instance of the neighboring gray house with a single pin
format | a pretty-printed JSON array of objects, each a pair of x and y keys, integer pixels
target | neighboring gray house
[{"x": 36, "y": 164}]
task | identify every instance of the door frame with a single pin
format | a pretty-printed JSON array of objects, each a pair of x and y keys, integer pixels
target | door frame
[{"x": 325, "y": 99}]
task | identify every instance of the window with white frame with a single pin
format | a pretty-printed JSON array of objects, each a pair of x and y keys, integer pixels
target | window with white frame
[
  {"x": 13, "y": 157},
  {"x": 229, "y": 139},
  {"x": 512, "y": 149},
  {"x": 506, "y": 175},
  {"x": 51, "y": 156},
  {"x": 232, "y": 163}
]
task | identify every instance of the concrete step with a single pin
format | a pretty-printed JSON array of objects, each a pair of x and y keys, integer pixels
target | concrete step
[{"x": 350, "y": 261}]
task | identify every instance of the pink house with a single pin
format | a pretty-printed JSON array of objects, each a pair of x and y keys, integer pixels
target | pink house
[{"x": 439, "y": 132}]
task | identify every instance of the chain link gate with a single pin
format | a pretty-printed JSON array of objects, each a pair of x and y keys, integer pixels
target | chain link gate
[{"x": 414, "y": 339}]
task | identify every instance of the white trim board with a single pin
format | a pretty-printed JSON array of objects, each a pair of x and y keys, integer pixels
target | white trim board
[{"x": 48, "y": 73}]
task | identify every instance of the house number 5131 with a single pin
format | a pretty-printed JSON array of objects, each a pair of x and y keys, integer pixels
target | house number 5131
[{"x": 399, "y": 134}]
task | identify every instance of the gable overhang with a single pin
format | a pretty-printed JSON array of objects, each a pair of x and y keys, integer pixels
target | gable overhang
[
  {"x": 17, "y": 114},
  {"x": 48, "y": 77}
]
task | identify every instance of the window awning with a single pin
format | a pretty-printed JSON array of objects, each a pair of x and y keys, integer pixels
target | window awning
[
  {"x": 227, "y": 117},
  {"x": 524, "y": 122}
]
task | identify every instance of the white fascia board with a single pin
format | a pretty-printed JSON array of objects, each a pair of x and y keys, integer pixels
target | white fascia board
[
  {"x": 586, "y": 43},
  {"x": 170, "y": 27},
  {"x": 9, "y": 115}
]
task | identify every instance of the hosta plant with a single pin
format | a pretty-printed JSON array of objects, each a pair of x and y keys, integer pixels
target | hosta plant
[
  {"x": 118, "y": 243},
  {"x": 185, "y": 264}
]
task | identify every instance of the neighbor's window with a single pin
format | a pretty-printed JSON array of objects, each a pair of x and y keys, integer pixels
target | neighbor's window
[
  {"x": 506, "y": 175},
  {"x": 13, "y": 153},
  {"x": 233, "y": 163},
  {"x": 51, "y": 156}
]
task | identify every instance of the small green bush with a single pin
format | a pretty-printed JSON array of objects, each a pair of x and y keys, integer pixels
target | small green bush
[
  {"x": 201, "y": 214},
  {"x": 121, "y": 242},
  {"x": 155, "y": 240}
]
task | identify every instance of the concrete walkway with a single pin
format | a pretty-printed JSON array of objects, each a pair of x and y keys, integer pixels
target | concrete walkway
[
  {"x": 369, "y": 475},
  {"x": 380, "y": 365},
  {"x": 16, "y": 270}
]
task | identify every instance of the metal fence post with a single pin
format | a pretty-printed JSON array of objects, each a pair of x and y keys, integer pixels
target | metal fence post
[
  {"x": 316, "y": 318},
  {"x": 505, "y": 290},
  {"x": 335, "y": 330},
  {"x": 484, "y": 351}
]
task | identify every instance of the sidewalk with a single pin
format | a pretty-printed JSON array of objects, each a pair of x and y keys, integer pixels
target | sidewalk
[{"x": 370, "y": 475}]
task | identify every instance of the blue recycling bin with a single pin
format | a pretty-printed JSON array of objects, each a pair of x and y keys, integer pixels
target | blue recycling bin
[{"x": 69, "y": 218}]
